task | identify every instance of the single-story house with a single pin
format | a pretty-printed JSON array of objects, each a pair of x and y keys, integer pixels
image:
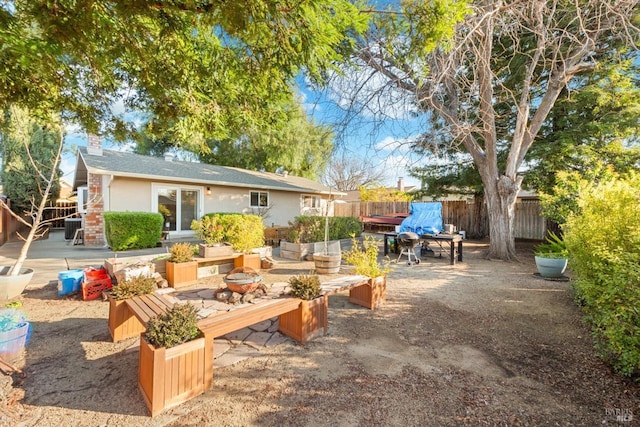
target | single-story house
[{"x": 109, "y": 180}]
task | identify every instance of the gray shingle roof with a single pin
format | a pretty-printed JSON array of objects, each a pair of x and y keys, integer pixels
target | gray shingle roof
[{"x": 121, "y": 163}]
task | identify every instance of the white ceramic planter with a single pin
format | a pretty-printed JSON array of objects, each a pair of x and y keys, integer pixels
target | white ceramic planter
[{"x": 12, "y": 286}]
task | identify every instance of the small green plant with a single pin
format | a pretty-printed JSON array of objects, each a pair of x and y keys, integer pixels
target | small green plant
[
  {"x": 305, "y": 286},
  {"x": 553, "y": 247},
  {"x": 182, "y": 252},
  {"x": 364, "y": 258},
  {"x": 176, "y": 326},
  {"x": 136, "y": 286},
  {"x": 209, "y": 230}
]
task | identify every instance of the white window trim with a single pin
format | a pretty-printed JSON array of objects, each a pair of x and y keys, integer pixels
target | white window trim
[
  {"x": 155, "y": 186},
  {"x": 260, "y": 192}
]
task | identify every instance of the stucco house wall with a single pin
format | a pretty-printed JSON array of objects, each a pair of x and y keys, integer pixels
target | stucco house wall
[{"x": 119, "y": 181}]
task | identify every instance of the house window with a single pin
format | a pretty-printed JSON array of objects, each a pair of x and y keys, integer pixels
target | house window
[
  {"x": 259, "y": 199},
  {"x": 311, "y": 202},
  {"x": 178, "y": 205}
]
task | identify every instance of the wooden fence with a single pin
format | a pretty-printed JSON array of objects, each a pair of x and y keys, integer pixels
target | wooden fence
[
  {"x": 57, "y": 212},
  {"x": 468, "y": 216}
]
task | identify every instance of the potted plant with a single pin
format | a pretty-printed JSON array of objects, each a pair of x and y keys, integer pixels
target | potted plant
[
  {"x": 551, "y": 256},
  {"x": 182, "y": 270},
  {"x": 245, "y": 233},
  {"x": 122, "y": 322},
  {"x": 364, "y": 260},
  {"x": 310, "y": 318},
  {"x": 327, "y": 262},
  {"x": 212, "y": 233},
  {"x": 173, "y": 340}
]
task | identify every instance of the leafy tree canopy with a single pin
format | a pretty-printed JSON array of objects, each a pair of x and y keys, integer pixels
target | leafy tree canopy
[
  {"x": 202, "y": 69},
  {"x": 296, "y": 145},
  {"x": 28, "y": 147}
]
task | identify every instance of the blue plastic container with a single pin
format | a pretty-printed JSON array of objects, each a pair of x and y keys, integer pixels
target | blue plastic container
[{"x": 69, "y": 281}]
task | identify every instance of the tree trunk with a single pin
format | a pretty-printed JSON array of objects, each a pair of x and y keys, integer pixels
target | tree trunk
[{"x": 501, "y": 197}]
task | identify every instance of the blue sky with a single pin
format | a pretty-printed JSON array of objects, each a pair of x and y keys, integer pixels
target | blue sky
[{"x": 379, "y": 134}]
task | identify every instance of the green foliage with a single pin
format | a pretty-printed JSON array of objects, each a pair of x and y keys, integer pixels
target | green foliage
[
  {"x": 603, "y": 238},
  {"x": 182, "y": 252},
  {"x": 297, "y": 144},
  {"x": 553, "y": 247},
  {"x": 208, "y": 229},
  {"x": 23, "y": 136},
  {"x": 562, "y": 200},
  {"x": 310, "y": 229},
  {"x": 383, "y": 194},
  {"x": 364, "y": 258},
  {"x": 305, "y": 286},
  {"x": 243, "y": 232},
  {"x": 176, "y": 326},
  {"x": 136, "y": 286},
  {"x": 132, "y": 230},
  {"x": 201, "y": 69}
]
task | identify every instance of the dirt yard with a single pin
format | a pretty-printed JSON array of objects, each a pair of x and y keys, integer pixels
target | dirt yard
[{"x": 479, "y": 343}]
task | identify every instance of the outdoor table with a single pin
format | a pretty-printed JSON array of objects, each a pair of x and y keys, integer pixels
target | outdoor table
[{"x": 440, "y": 239}]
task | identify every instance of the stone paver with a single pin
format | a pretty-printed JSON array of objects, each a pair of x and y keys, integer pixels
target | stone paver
[
  {"x": 257, "y": 340},
  {"x": 238, "y": 336},
  {"x": 262, "y": 326}
]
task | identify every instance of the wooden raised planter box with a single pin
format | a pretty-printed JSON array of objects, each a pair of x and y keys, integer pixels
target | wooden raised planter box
[
  {"x": 371, "y": 294},
  {"x": 182, "y": 274},
  {"x": 123, "y": 323},
  {"x": 170, "y": 376},
  {"x": 307, "y": 321},
  {"x": 248, "y": 260}
]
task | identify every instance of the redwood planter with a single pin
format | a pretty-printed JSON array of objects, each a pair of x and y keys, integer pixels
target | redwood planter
[
  {"x": 307, "y": 321},
  {"x": 214, "y": 251},
  {"x": 170, "y": 376},
  {"x": 181, "y": 274},
  {"x": 248, "y": 260},
  {"x": 371, "y": 294},
  {"x": 123, "y": 323}
]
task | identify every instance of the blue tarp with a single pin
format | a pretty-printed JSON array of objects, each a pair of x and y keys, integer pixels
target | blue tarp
[{"x": 424, "y": 218}]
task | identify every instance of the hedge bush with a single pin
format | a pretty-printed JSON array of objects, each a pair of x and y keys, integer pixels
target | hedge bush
[
  {"x": 243, "y": 232},
  {"x": 603, "y": 239},
  {"x": 132, "y": 230},
  {"x": 309, "y": 229}
]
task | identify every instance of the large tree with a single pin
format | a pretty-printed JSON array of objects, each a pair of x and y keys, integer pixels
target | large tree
[
  {"x": 27, "y": 147},
  {"x": 506, "y": 64},
  {"x": 202, "y": 69}
]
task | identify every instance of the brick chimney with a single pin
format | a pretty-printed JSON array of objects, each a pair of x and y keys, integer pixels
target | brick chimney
[
  {"x": 401, "y": 184},
  {"x": 94, "y": 145}
]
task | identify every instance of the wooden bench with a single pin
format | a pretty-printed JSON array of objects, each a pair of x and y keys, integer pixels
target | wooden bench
[{"x": 295, "y": 318}]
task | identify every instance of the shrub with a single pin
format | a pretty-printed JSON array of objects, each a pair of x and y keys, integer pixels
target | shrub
[
  {"x": 365, "y": 258},
  {"x": 603, "y": 239},
  {"x": 141, "y": 285},
  {"x": 181, "y": 252},
  {"x": 209, "y": 230},
  {"x": 305, "y": 286},
  {"x": 243, "y": 232},
  {"x": 309, "y": 229},
  {"x": 176, "y": 326},
  {"x": 132, "y": 230}
]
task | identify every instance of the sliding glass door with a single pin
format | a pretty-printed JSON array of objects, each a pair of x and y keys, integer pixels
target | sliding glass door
[{"x": 178, "y": 205}]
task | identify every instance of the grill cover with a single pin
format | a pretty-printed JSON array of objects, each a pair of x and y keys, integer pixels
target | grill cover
[{"x": 425, "y": 218}]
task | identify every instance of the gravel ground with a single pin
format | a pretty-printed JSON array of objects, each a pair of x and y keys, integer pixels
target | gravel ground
[{"x": 479, "y": 343}]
